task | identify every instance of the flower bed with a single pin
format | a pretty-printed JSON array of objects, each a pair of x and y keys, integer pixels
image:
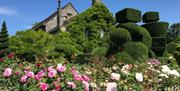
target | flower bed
[{"x": 64, "y": 76}]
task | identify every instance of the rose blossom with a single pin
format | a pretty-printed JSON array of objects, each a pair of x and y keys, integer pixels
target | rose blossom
[
  {"x": 30, "y": 74},
  {"x": 36, "y": 77},
  {"x": 44, "y": 86},
  {"x": 115, "y": 76},
  {"x": 125, "y": 69},
  {"x": 41, "y": 73},
  {"x": 23, "y": 79},
  {"x": 7, "y": 72},
  {"x": 52, "y": 73},
  {"x": 154, "y": 62},
  {"x": 139, "y": 77},
  {"x": 61, "y": 68},
  {"x": 1, "y": 59},
  {"x": 10, "y": 55},
  {"x": 85, "y": 78},
  {"x": 111, "y": 86},
  {"x": 86, "y": 86},
  {"x": 71, "y": 85}
]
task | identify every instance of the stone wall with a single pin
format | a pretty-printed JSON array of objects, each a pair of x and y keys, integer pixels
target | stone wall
[{"x": 51, "y": 23}]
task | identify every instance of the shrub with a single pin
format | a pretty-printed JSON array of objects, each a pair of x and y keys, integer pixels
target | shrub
[
  {"x": 177, "y": 56},
  {"x": 4, "y": 41},
  {"x": 99, "y": 51},
  {"x": 136, "y": 49},
  {"x": 128, "y": 15},
  {"x": 150, "y": 17},
  {"x": 120, "y": 36},
  {"x": 124, "y": 58},
  {"x": 138, "y": 33},
  {"x": 151, "y": 54},
  {"x": 157, "y": 29},
  {"x": 89, "y": 26}
]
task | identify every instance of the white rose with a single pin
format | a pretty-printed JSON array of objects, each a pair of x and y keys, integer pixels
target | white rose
[
  {"x": 139, "y": 77},
  {"x": 175, "y": 73},
  {"x": 115, "y": 76},
  {"x": 111, "y": 86}
]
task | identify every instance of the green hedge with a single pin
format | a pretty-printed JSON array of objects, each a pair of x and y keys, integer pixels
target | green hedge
[
  {"x": 124, "y": 57},
  {"x": 120, "y": 36},
  {"x": 150, "y": 17},
  {"x": 177, "y": 56},
  {"x": 157, "y": 29},
  {"x": 100, "y": 51},
  {"x": 138, "y": 33},
  {"x": 128, "y": 15},
  {"x": 159, "y": 42},
  {"x": 151, "y": 54},
  {"x": 136, "y": 49}
]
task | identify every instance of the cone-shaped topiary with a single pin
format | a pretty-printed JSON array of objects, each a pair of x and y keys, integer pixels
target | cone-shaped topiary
[
  {"x": 136, "y": 49},
  {"x": 100, "y": 51},
  {"x": 120, "y": 36},
  {"x": 150, "y": 17},
  {"x": 157, "y": 29},
  {"x": 151, "y": 54},
  {"x": 128, "y": 15},
  {"x": 124, "y": 57},
  {"x": 4, "y": 44},
  {"x": 138, "y": 33}
]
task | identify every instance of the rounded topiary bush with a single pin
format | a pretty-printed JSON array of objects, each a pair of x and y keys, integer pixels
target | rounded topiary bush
[
  {"x": 100, "y": 51},
  {"x": 157, "y": 29},
  {"x": 124, "y": 57},
  {"x": 120, "y": 36},
  {"x": 151, "y": 54},
  {"x": 138, "y": 33},
  {"x": 136, "y": 49}
]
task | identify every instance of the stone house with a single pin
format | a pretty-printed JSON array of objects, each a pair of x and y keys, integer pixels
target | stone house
[{"x": 59, "y": 19}]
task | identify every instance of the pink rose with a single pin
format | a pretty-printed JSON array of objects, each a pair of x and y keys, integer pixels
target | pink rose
[
  {"x": 41, "y": 73},
  {"x": 36, "y": 77},
  {"x": 86, "y": 86},
  {"x": 85, "y": 78},
  {"x": 23, "y": 79},
  {"x": 52, "y": 73},
  {"x": 61, "y": 68},
  {"x": 7, "y": 72},
  {"x": 30, "y": 74},
  {"x": 44, "y": 86},
  {"x": 71, "y": 85},
  {"x": 77, "y": 77},
  {"x": 111, "y": 86}
]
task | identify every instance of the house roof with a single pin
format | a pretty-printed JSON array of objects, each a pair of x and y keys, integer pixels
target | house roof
[{"x": 53, "y": 14}]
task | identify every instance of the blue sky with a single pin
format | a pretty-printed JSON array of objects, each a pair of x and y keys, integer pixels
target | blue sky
[{"x": 21, "y": 14}]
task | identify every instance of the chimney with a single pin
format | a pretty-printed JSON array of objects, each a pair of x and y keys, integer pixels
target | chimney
[{"x": 96, "y": 2}]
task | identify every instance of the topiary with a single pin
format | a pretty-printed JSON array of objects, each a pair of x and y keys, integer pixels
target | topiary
[
  {"x": 138, "y": 33},
  {"x": 136, "y": 49},
  {"x": 120, "y": 36},
  {"x": 150, "y": 17},
  {"x": 157, "y": 29},
  {"x": 151, "y": 54},
  {"x": 4, "y": 40},
  {"x": 128, "y": 15},
  {"x": 99, "y": 51},
  {"x": 124, "y": 57}
]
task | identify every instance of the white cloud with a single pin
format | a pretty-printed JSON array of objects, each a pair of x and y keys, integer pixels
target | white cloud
[{"x": 8, "y": 11}]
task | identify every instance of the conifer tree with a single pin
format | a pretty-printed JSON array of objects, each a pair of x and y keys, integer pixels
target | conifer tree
[{"x": 4, "y": 41}]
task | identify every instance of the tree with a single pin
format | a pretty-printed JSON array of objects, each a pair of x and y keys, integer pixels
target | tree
[
  {"x": 4, "y": 41},
  {"x": 174, "y": 32}
]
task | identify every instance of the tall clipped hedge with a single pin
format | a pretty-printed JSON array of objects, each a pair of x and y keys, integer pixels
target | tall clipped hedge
[
  {"x": 136, "y": 50},
  {"x": 4, "y": 40},
  {"x": 138, "y": 33},
  {"x": 120, "y": 36},
  {"x": 124, "y": 57},
  {"x": 88, "y": 26}
]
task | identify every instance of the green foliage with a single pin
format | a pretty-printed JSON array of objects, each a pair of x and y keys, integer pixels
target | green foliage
[
  {"x": 157, "y": 29},
  {"x": 151, "y": 54},
  {"x": 150, "y": 17},
  {"x": 87, "y": 27},
  {"x": 128, "y": 15},
  {"x": 30, "y": 45},
  {"x": 4, "y": 40},
  {"x": 99, "y": 51},
  {"x": 138, "y": 33},
  {"x": 124, "y": 58},
  {"x": 120, "y": 36},
  {"x": 136, "y": 50}
]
